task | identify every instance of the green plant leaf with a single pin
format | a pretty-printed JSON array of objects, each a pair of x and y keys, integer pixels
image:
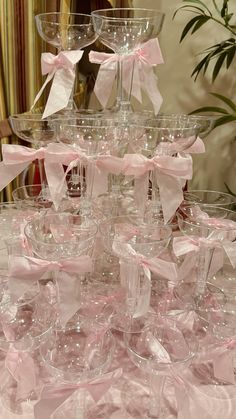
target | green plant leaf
[
  {"x": 226, "y": 100},
  {"x": 218, "y": 65},
  {"x": 224, "y": 120},
  {"x": 193, "y": 9},
  {"x": 189, "y": 26},
  {"x": 230, "y": 56},
  {"x": 224, "y": 10},
  {"x": 210, "y": 109},
  {"x": 201, "y": 22},
  {"x": 229, "y": 190},
  {"x": 200, "y": 3}
]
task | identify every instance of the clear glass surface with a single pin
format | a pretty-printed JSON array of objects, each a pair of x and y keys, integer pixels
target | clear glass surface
[{"x": 66, "y": 31}]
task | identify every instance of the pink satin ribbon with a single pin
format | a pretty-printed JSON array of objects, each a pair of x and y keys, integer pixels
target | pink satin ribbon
[
  {"x": 156, "y": 265},
  {"x": 60, "y": 68},
  {"x": 28, "y": 268},
  {"x": 183, "y": 245},
  {"x": 21, "y": 366},
  {"x": 52, "y": 395},
  {"x": 170, "y": 171},
  {"x": 15, "y": 159},
  {"x": 140, "y": 63},
  {"x": 61, "y": 154}
]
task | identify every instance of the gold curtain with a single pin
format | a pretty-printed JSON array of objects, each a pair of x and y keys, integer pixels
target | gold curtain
[{"x": 20, "y": 55}]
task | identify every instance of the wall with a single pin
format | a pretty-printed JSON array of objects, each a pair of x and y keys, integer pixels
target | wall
[{"x": 182, "y": 95}]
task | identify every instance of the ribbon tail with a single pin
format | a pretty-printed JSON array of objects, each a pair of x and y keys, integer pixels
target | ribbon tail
[
  {"x": 61, "y": 89},
  {"x": 150, "y": 86},
  {"x": 56, "y": 181},
  {"x": 69, "y": 300},
  {"x": 171, "y": 195},
  {"x": 10, "y": 172},
  {"x": 104, "y": 82},
  {"x": 141, "y": 184},
  {"x": 48, "y": 79},
  {"x": 51, "y": 398}
]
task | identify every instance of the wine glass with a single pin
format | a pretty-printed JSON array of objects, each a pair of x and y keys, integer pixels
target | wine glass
[
  {"x": 77, "y": 354},
  {"x": 89, "y": 138},
  {"x": 162, "y": 350},
  {"x": 216, "y": 198},
  {"x": 36, "y": 131},
  {"x": 161, "y": 140},
  {"x": 211, "y": 227},
  {"x": 123, "y": 30},
  {"x": 66, "y": 32},
  {"x": 24, "y": 325}
]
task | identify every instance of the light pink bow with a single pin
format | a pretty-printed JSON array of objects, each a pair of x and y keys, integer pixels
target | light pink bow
[
  {"x": 59, "y": 155},
  {"x": 136, "y": 66},
  {"x": 28, "y": 268},
  {"x": 61, "y": 69},
  {"x": 170, "y": 171},
  {"x": 15, "y": 159},
  {"x": 20, "y": 364},
  {"x": 186, "y": 244},
  {"x": 52, "y": 396},
  {"x": 156, "y": 265}
]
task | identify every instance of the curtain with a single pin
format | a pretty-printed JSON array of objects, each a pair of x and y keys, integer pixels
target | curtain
[{"x": 20, "y": 54}]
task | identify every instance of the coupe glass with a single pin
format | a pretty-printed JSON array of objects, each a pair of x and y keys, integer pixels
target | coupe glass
[
  {"x": 32, "y": 197},
  {"x": 206, "y": 122},
  {"x": 123, "y": 30},
  {"x": 77, "y": 354},
  {"x": 61, "y": 236},
  {"x": 24, "y": 325},
  {"x": 133, "y": 241},
  {"x": 90, "y": 138},
  {"x": 66, "y": 31},
  {"x": 36, "y": 131},
  {"x": 161, "y": 137},
  {"x": 220, "y": 199},
  {"x": 162, "y": 350},
  {"x": 211, "y": 226}
]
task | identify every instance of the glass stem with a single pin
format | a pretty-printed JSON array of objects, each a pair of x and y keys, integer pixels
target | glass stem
[
  {"x": 204, "y": 262},
  {"x": 123, "y": 96},
  {"x": 156, "y": 383}
]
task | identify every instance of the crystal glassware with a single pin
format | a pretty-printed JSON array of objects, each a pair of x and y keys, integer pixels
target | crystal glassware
[
  {"x": 36, "y": 131},
  {"x": 123, "y": 30},
  {"x": 216, "y": 198},
  {"x": 77, "y": 354},
  {"x": 161, "y": 350},
  {"x": 66, "y": 32}
]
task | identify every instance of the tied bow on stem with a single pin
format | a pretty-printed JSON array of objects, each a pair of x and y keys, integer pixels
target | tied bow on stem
[
  {"x": 61, "y": 69},
  {"x": 140, "y": 63},
  {"x": 170, "y": 172},
  {"x": 59, "y": 155},
  {"x": 53, "y": 396},
  {"x": 156, "y": 265},
  {"x": 15, "y": 159}
]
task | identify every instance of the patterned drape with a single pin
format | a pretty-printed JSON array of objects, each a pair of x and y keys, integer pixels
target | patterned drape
[{"x": 20, "y": 52}]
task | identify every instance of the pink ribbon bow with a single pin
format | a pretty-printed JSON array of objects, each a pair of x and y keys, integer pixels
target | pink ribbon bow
[
  {"x": 15, "y": 159},
  {"x": 137, "y": 65},
  {"x": 52, "y": 396},
  {"x": 183, "y": 245},
  {"x": 156, "y": 265},
  {"x": 61, "y": 69},
  {"x": 170, "y": 171},
  {"x": 28, "y": 268},
  {"x": 20, "y": 364},
  {"x": 61, "y": 154}
]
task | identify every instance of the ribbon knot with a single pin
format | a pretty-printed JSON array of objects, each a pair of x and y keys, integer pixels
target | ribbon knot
[{"x": 61, "y": 69}]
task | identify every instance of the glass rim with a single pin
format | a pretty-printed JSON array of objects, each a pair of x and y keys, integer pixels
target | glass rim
[
  {"x": 191, "y": 127},
  {"x": 33, "y": 117},
  {"x": 74, "y": 374},
  {"x": 224, "y": 194},
  {"x": 40, "y": 16},
  {"x": 195, "y": 223},
  {"x": 43, "y": 216},
  {"x": 153, "y": 13}
]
